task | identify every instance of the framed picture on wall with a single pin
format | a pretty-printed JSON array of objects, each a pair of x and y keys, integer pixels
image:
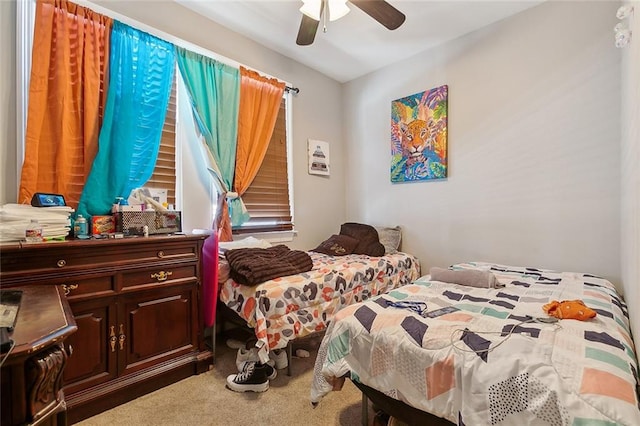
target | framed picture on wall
[
  {"x": 319, "y": 163},
  {"x": 419, "y": 136}
]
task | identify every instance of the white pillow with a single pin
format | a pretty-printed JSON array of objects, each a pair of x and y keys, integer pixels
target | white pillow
[{"x": 390, "y": 237}]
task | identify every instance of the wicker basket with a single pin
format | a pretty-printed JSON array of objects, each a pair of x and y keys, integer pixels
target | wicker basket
[{"x": 133, "y": 223}]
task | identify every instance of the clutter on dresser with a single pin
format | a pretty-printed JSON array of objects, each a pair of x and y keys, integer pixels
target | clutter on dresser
[
  {"x": 42, "y": 199},
  {"x": 53, "y": 221},
  {"x": 155, "y": 222},
  {"x": 102, "y": 224},
  {"x": 33, "y": 233},
  {"x": 146, "y": 212},
  {"x": 81, "y": 228}
]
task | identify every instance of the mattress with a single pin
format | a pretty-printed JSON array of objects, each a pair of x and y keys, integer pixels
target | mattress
[
  {"x": 480, "y": 356},
  {"x": 283, "y": 309}
]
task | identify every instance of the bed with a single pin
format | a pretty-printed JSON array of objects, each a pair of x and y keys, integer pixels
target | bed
[
  {"x": 286, "y": 308},
  {"x": 479, "y": 356}
]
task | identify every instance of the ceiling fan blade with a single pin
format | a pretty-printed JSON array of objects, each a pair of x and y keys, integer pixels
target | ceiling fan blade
[
  {"x": 307, "y": 31},
  {"x": 382, "y": 12}
]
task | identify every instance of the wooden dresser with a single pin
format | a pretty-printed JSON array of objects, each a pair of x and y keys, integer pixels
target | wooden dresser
[{"x": 137, "y": 305}]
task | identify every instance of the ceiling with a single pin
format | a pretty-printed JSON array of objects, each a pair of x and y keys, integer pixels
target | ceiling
[{"x": 356, "y": 44}]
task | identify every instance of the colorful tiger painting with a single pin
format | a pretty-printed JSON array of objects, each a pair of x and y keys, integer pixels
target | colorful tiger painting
[{"x": 417, "y": 136}]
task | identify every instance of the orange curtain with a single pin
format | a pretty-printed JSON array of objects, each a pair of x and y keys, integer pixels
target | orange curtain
[
  {"x": 67, "y": 92},
  {"x": 260, "y": 99}
]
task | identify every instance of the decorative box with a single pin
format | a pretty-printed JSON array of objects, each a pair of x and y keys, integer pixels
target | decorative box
[{"x": 133, "y": 223}]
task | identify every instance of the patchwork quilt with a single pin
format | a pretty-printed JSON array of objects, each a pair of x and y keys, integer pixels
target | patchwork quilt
[
  {"x": 480, "y": 356},
  {"x": 286, "y": 308}
]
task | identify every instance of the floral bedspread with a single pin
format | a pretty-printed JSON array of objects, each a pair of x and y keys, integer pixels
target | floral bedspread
[
  {"x": 478, "y": 356},
  {"x": 285, "y": 308}
]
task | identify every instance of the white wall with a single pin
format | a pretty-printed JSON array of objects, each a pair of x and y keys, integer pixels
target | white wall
[
  {"x": 534, "y": 145},
  {"x": 630, "y": 183},
  {"x": 8, "y": 187},
  {"x": 317, "y": 111}
]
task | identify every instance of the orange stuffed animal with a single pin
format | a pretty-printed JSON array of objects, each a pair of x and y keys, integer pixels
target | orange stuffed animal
[{"x": 569, "y": 309}]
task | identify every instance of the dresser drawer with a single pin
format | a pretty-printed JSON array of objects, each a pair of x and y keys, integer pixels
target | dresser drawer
[
  {"x": 85, "y": 288},
  {"x": 77, "y": 255},
  {"x": 159, "y": 276}
]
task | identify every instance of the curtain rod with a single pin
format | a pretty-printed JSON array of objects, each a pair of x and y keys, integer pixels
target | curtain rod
[{"x": 104, "y": 10}]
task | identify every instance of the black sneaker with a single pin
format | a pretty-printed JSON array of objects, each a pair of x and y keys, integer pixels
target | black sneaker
[
  {"x": 270, "y": 371},
  {"x": 254, "y": 377}
]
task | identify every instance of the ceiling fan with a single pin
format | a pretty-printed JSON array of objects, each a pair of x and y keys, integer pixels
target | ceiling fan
[{"x": 315, "y": 10}]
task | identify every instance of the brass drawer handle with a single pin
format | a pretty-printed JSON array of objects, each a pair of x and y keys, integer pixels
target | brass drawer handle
[
  {"x": 68, "y": 288},
  {"x": 61, "y": 263},
  {"x": 121, "y": 337},
  {"x": 162, "y": 275},
  {"x": 160, "y": 254},
  {"x": 112, "y": 338}
]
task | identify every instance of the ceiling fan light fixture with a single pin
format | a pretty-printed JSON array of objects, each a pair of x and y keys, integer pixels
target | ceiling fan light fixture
[
  {"x": 337, "y": 9},
  {"x": 315, "y": 10},
  {"x": 312, "y": 8}
]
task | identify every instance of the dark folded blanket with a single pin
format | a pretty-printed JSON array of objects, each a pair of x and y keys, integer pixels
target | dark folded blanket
[{"x": 251, "y": 266}]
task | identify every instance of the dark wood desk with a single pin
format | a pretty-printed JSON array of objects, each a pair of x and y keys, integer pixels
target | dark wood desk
[{"x": 31, "y": 376}]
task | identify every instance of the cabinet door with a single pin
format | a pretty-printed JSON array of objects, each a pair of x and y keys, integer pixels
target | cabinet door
[
  {"x": 160, "y": 325},
  {"x": 94, "y": 346}
]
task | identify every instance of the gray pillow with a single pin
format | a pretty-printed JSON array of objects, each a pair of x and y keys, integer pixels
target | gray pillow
[
  {"x": 470, "y": 277},
  {"x": 390, "y": 237}
]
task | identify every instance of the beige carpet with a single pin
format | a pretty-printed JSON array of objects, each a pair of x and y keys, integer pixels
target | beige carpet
[{"x": 204, "y": 399}]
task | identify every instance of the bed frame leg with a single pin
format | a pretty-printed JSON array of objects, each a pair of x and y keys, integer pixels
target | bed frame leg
[
  {"x": 289, "y": 358},
  {"x": 217, "y": 321},
  {"x": 365, "y": 410},
  {"x": 213, "y": 344}
]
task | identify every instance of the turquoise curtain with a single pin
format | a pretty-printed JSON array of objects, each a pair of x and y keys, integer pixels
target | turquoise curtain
[
  {"x": 214, "y": 89},
  {"x": 140, "y": 77}
]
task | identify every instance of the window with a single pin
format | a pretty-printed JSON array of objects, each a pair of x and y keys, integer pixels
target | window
[
  {"x": 267, "y": 199},
  {"x": 164, "y": 175}
]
